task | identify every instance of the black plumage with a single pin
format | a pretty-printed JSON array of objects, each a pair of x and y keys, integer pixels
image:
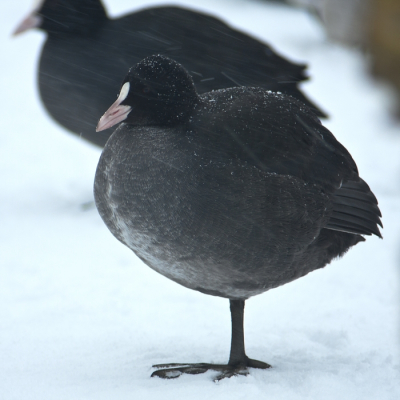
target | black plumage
[
  {"x": 86, "y": 53},
  {"x": 230, "y": 193}
]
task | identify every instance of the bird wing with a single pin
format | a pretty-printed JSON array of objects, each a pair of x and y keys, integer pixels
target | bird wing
[
  {"x": 274, "y": 132},
  {"x": 278, "y": 134}
]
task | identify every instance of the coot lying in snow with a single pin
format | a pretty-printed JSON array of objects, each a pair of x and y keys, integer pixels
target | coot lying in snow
[
  {"x": 231, "y": 193},
  {"x": 86, "y": 53}
]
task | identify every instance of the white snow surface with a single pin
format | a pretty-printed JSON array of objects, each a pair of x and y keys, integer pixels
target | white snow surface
[{"x": 82, "y": 318}]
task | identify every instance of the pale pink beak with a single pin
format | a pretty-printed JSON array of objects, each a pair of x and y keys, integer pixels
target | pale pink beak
[
  {"x": 117, "y": 112},
  {"x": 31, "y": 21}
]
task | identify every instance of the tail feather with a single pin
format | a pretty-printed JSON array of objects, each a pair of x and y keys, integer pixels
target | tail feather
[{"x": 355, "y": 210}]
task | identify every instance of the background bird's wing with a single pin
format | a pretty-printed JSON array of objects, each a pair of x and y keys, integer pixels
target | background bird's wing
[{"x": 216, "y": 55}]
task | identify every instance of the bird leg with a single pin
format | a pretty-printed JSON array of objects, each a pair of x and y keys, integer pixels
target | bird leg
[{"x": 238, "y": 361}]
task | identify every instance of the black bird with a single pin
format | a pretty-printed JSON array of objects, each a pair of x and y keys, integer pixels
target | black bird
[
  {"x": 86, "y": 53},
  {"x": 231, "y": 193}
]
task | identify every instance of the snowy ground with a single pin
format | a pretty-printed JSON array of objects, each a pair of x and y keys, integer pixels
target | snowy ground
[{"x": 82, "y": 318}]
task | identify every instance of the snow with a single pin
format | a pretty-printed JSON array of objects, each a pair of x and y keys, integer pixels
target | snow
[{"x": 82, "y": 318}]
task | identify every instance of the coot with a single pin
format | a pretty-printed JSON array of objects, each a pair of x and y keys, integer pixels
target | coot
[
  {"x": 86, "y": 53},
  {"x": 231, "y": 193}
]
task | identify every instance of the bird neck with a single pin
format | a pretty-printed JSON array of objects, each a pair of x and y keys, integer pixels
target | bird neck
[{"x": 86, "y": 19}]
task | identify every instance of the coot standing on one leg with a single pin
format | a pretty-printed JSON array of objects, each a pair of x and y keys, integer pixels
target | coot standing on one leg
[
  {"x": 230, "y": 193},
  {"x": 86, "y": 53}
]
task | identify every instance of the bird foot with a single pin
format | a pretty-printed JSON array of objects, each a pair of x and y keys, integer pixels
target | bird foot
[{"x": 175, "y": 370}]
